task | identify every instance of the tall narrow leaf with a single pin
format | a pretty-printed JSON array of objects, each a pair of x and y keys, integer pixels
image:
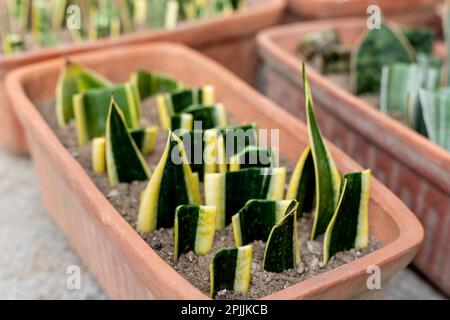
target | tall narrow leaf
[{"x": 327, "y": 176}]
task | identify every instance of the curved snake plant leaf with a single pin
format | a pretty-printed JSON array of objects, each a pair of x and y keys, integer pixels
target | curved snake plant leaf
[
  {"x": 143, "y": 138},
  {"x": 124, "y": 161},
  {"x": 194, "y": 229},
  {"x": 282, "y": 250},
  {"x": 302, "y": 185},
  {"x": 231, "y": 269},
  {"x": 150, "y": 83},
  {"x": 435, "y": 105},
  {"x": 257, "y": 218},
  {"x": 230, "y": 191},
  {"x": 172, "y": 184},
  {"x": 91, "y": 109},
  {"x": 254, "y": 157},
  {"x": 327, "y": 176},
  {"x": 74, "y": 79},
  {"x": 177, "y": 101},
  {"x": 378, "y": 47},
  {"x": 349, "y": 227},
  {"x": 398, "y": 80},
  {"x": 41, "y": 24}
]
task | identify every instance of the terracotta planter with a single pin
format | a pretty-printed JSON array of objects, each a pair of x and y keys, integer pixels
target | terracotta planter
[
  {"x": 122, "y": 262},
  {"x": 319, "y": 9},
  {"x": 416, "y": 170},
  {"x": 229, "y": 40}
]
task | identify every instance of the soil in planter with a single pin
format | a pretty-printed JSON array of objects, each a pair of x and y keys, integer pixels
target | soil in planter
[{"x": 125, "y": 199}]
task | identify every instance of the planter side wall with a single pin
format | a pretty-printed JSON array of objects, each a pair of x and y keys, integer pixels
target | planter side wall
[{"x": 423, "y": 196}]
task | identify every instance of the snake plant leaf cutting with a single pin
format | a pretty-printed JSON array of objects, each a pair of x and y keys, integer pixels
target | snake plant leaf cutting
[
  {"x": 194, "y": 229},
  {"x": 12, "y": 43},
  {"x": 144, "y": 138},
  {"x": 58, "y": 10},
  {"x": 254, "y": 157},
  {"x": 414, "y": 113},
  {"x": 201, "y": 150},
  {"x": 150, "y": 83},
  {"x": 349, "y": 227},
  {"x": 378, "y": 47},
  {"x": 20, "y": 11},
  {"x": 231, "y": 270},
  {"x": 257, "y": 218},
  {"x": 124, "y": 161},
  {"x": 74, "y": 79},
  {"x": 172, "y": 184},
  {"x": 446, "y": 27},
  {"x": 208, "y": 116},
  {"x": 237, "y": 138},
  {"x": 41, "y": 24},
  {"x": 397, "y": 82},
  {"x": 435, "y": 107},
  {"x": 230, "y": 191},
  {"x": 179, "y": 100},
  {"x": 99, "y": 155},
  {"x": 181, "y": 121},
  {"x": 303, "y": 184},
  {"x": 327, "y": 177},
  {"x": 282, "y": 251},
  {"x": 91, "y": 110}
]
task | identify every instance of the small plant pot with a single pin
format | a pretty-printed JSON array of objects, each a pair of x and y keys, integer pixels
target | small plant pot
[
  {"x": 416, "y": 169},
  {"x": 122, "y": 262},
  {"x": 320, "y": 9},
  {"x": 229, "y": 40}
]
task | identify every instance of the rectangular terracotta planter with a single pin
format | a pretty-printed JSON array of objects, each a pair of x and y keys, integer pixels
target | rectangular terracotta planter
[
  {"x": 229, "y": 40},
  {"x": 417, "y": 170},
  {"x": 320, "y": 9},
  {"x": 124, "y": 265}
]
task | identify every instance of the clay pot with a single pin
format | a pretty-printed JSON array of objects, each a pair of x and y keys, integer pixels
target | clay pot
[
  {"x": 319, "y": 9},
  {"x": 124, "y": 265},
  {"x": 416, "y": 169},
  {"x": 229, "y": 40}
]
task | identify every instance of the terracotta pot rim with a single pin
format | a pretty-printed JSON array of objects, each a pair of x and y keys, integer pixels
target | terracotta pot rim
[
  {"x": 400, "y": 135},
  {"x": 410, "y": 231},
  {"x": 189, "y": 26}
]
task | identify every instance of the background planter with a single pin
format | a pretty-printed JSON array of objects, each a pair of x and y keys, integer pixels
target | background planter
[
  {"x": 229, "y": 40},
  {"x": 416, "y": 170},
  {"x": 121, "y": 261},
  {"x": 319, "y": 9}
]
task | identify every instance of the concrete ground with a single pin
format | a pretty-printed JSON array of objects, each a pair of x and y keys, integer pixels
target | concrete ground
[{"x": 35, "y": 256}]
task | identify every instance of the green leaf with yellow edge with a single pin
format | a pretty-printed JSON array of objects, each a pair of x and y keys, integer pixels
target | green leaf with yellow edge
[
  {"x": 327, "y": 177},
  {"x": 349, "y": 227},
  {"x": 74, "y": 79},
  {"x": 124, "y": 161},
  {"x": 231, "y": 270},
  {"x": 172, "y": 184},
  {"x": 257, "y": 218},
  {"x": 282, "y": 250},
  {"x": 194, "y": 229}
]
